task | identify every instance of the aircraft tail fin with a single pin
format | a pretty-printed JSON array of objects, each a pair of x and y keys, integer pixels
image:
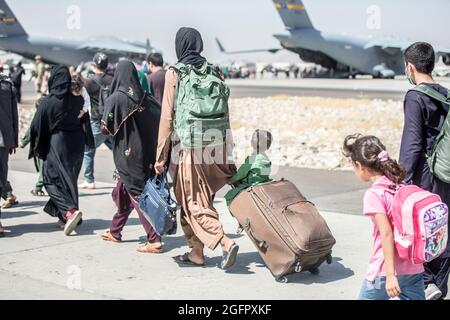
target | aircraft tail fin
[
  {"x": 293, "y": 14},
  {"x": 9, "y": 25},
  {"x": 220, "y": 45}
]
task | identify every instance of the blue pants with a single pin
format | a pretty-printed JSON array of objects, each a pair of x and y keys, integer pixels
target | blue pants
[
  {"x": 412, "y": 287},
  {"x": 89, "y": 153}
]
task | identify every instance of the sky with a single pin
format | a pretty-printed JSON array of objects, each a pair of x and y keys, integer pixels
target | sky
[{"x": 239, "y": 24}]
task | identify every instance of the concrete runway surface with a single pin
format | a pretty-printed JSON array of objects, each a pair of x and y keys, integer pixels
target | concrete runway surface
[{"x": 38, "y": 262}]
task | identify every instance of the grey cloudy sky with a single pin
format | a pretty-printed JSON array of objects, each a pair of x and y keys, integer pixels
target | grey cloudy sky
[{"x": 240, "y": 24}]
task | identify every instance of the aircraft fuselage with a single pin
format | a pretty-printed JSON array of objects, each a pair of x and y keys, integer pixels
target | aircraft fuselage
[
  {"x": 53, "y": 50},
  {"x": 333, "y": 50}
]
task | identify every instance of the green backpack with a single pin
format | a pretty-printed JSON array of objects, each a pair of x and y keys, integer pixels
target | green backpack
[
  {"x": 439, "y": 158},
  {"x": 201, "y": 106}
]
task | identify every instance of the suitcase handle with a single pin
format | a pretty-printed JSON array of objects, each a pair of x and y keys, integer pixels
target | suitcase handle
[{"x": 260, "y": 243}]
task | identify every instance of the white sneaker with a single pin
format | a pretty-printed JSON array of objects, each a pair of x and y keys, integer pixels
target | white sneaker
[
  {"x": 87, "y": 186},
  {"x": 432, "y": 292},
  {"x": 72, "y": 222}
]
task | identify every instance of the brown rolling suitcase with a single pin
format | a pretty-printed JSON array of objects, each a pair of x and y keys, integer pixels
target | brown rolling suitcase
[{"x": 288, "y": 231}]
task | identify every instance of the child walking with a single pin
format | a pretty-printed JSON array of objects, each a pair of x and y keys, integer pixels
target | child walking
[{"x": 388, "y": 275}]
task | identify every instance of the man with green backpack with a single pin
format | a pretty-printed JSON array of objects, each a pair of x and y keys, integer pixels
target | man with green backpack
[
  {"x": 195, "y": 111},
  {"x": 425, "y": 147}
]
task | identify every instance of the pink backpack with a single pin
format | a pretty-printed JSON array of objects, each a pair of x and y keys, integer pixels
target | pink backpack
[{"x": 420, "y": 221}]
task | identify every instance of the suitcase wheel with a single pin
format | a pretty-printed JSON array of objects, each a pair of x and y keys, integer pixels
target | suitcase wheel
[
  {"x": 329, "y": 259},
  {"x": 314, "y": 271},
  {"x": 283, "y": 279}
]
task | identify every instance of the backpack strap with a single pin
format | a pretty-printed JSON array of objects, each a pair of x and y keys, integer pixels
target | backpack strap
[
  {"x": 391, "y": 188},
  {"x": 97, "y": 79},
  {"x": 429, "y": 91}
]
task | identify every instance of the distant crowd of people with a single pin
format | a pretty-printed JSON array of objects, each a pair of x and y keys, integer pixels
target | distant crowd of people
[{"x": 142, "y": 114}]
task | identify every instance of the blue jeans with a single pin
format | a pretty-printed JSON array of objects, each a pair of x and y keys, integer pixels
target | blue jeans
[
  {"x": 89, "y": 153},
  {"x": 412, "y": 287}
]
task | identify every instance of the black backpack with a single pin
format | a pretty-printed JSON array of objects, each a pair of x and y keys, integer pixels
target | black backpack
[{"x": 104, "y": 93}]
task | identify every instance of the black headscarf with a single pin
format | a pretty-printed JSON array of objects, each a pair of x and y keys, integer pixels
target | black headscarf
[
  {"x": 188, "y": 46},
  {"x": 59, "y": 110},
  {"x": 59, "y": 82},
  {"x": 126, "y": 80},
  {"x": 132, "y": 118}
]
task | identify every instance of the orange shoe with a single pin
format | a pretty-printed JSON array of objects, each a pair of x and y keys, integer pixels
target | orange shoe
[
  {"x": 151, "y": 248},
  {"x": 107, "y": 236}
]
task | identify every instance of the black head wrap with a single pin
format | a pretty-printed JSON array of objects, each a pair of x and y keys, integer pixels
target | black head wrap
[
  {"x": 188, "y": 46},
  {"x": 59, "y": 81},
  {"x": 126, "y": 80}
]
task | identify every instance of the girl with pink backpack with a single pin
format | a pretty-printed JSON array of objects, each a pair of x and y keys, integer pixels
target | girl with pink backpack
[{"x": 410, "y": 224}]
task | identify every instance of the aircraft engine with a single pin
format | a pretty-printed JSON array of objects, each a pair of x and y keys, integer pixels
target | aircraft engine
[
  {"x": 382, "y": 71},
  {"x": 446, "y": 59}
]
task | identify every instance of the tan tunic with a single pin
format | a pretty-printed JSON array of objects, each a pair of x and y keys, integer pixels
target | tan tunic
[{"x": 199, "y": 174}]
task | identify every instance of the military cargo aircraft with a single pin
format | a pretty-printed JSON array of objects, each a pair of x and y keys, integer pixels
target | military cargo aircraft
[
  {"x": 13, "y": 38},
  {"x": 342, "y": 55}
]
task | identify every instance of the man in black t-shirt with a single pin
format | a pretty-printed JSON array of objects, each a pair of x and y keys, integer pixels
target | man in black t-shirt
[
  {"x": 94, "y": 85},
  {"x": 424, "y": 119}
]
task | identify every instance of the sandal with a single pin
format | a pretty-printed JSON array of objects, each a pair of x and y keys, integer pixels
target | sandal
[
  {"x": 107, "y": 236},
  {"x": 10, "y": 201},
  {"x": 229, "y": 258},
  {"x": 184, "y": 261},
  {"x": 38, "y": 193},
  {"x": 151, "y": 248}
]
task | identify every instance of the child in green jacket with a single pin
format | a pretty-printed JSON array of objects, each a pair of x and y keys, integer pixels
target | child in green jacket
[{"x": 256, "y": 168}]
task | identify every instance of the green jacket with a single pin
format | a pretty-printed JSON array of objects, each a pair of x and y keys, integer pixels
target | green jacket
[
  {"x": 254, "y": 171},
  {"x": 143, "y": 81}
]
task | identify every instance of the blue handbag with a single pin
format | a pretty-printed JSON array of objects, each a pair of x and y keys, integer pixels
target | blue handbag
[{"x": 158, "y": 206}]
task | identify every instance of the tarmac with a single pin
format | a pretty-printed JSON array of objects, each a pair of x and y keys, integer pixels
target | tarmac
[
  {"x": 38, "y": 262},
  {"x": 359, "y": 88}
]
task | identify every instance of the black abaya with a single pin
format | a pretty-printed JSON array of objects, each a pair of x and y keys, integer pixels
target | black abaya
[
  {"x": 57, "y": 137},
  {"x": 132, "y": 119}
]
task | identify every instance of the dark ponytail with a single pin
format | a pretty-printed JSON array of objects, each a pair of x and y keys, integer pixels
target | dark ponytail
[{"x": 367, "y": 150}]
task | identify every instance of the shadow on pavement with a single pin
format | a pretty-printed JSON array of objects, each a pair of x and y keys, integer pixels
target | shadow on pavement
[
  {"x": 21, "y": 229},
  {"x": 328, "y": 273},
  {"x": 28, "y": 205},
  {"x": 89, "y": 226},
  {"x": 7, "y": 214},
  {"x": 83, "y": 195}
]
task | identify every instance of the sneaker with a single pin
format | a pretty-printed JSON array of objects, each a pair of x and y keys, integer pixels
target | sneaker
[
  {"x": 432, "y": 292},
  {"x": 9, "y": 202},
  {"x": 61, "y": 224},
  {"x": 73, "y": 218},
  {"x": 87, "y": 186}
]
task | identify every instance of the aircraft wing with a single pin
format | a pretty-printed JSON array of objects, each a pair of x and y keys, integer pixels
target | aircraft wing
[
  {"x": 222, "y": 49},
  {"x": 391, "y": 47},
  {"x": 442, "y": 51},
  {"x": 113, "y": 46}
]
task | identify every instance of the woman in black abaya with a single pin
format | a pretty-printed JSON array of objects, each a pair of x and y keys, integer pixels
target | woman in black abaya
[
  {"x": 58, "y": 138},
  {"x": 132, "y": 119}
]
